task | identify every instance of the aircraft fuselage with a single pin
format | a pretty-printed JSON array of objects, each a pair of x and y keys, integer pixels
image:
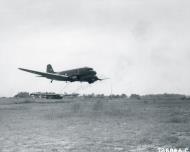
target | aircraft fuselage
[{"x": 85, "y": 74}]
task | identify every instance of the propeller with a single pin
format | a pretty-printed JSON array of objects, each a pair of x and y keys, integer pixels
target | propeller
[{"x": 101, "y": 79}]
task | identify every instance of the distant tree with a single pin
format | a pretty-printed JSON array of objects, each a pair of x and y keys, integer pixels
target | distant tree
[
  {"x": 123, "y": 95},
  {"x": 91, "y": 95},
  {"x": 22, "y": 95},
  {"x": 135, "y": 96},
  {"x": 100, "y": 95},
  {"x": 115, "y": 96}
]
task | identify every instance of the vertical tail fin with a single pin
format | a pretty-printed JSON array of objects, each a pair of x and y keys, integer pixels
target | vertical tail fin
[{"x": 49, "y": 69}]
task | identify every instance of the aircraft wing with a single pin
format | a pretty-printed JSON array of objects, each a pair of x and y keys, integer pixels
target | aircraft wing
[{"x": 53, "y": 76}]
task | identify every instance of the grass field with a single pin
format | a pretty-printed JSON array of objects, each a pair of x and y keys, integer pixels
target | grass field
[{"x": 93, "y": 125}]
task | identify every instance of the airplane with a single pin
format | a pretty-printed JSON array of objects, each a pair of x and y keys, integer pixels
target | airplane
[{"x": 84, "y": 74}]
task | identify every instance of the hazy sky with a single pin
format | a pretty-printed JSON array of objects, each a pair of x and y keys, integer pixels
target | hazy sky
[{"x": 142, "y": 45}]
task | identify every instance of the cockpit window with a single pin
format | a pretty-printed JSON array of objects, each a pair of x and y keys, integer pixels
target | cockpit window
[
  {"x": 90, "y": 69},
  {"x": 87, "y": 68}
]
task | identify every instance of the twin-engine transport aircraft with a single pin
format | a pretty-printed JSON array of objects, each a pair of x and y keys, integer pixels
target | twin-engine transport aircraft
[{"x": 84, "y": 74}]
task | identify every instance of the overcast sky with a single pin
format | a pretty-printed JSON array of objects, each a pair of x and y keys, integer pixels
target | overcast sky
[{"x": 142, "y": 45}]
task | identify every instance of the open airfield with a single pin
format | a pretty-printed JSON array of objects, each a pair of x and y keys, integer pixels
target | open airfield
[{"x": 93, "y": 125}]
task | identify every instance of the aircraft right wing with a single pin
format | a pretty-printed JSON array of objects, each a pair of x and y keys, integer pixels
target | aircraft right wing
[{"x": 53, "y": 76}]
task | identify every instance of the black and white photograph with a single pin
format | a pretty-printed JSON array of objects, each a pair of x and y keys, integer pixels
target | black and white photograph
[{"x": 95, "y": 76}]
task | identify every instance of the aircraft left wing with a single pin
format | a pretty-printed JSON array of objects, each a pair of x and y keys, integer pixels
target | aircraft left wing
[{"x": 47, "y": 75}]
